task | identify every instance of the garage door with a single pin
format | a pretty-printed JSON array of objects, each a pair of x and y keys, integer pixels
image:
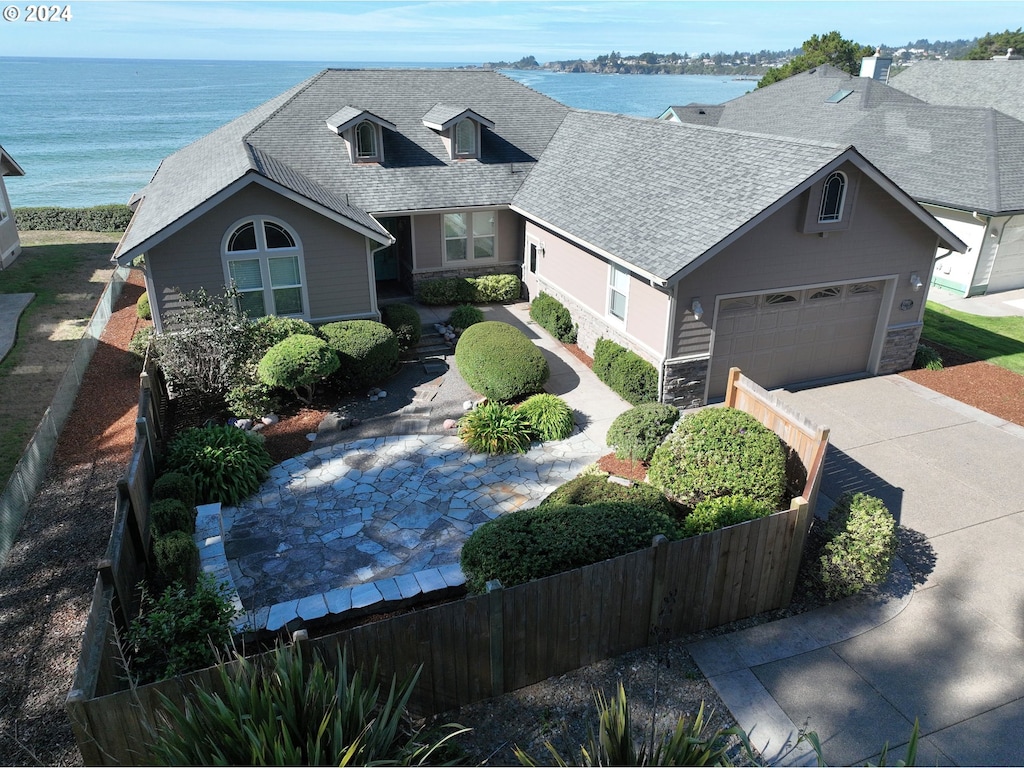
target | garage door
[
  {"x": 1008, "y": 271},
  {"x": 785, "y": 337}
]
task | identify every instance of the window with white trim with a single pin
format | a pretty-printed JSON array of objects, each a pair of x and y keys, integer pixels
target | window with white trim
[
  {"x": 469, "y": 236},
  {"x": 366, "y": 141},
  {"x": 833, "y": 195},
  {"x": 263, "y": 261},
  {"x": 618, "y": 291},
  {"x": 465, "y": 138}
]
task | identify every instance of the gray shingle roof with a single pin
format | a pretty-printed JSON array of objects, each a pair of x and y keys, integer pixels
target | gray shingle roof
[
  {"x": 8, "y": 165},
  {"x": 442, "y": 114},
  {"x": 682, "y": 190},
  {"x": 997, "y": 84},
  {"x": 950, "y": 156}
]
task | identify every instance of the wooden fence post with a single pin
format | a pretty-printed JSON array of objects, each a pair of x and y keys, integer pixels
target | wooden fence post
[
  {"x": 731, "y": 393},
  {"x": 659, "y": 546},
  {"x": 797, "y": 541},
  {"x": 495, "y": 604}
]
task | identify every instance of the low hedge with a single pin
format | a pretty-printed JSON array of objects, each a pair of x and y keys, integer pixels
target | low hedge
[
  {"x": 636, "y": 433},
  {"x": 595, "y": 489},
  {"x": 533, "y": 543},
  {"x": 493, "y": 288},
  {"x": 720, "y": 452},
  {"x": 172, "y": 515},
  {"x": 469, "y": 290},
  {"x": 712, "y": 514},
  {"x": 366, "y": 349},
  {"x": 176, "y": 560},
  {"x": 551, "y": 315},
  {"x": 498, "y": 361},
  {"x": 100, "y": 218},
  {"x": 405, "y": 322},
  {"x": 625, "y": 372}
]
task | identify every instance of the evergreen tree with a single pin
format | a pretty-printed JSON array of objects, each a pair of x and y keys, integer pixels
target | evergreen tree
[
  {"x": 996, "y": 44},
  {"x": 828, "y": 49}
]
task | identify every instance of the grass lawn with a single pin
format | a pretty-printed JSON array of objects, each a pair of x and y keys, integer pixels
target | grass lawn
[{"x": 998, "y": 340}]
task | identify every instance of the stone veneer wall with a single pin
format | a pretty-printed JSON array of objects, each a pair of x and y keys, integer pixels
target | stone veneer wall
[
  {"x": 899, "y": 349},
  {"x": 492, "y": 269},
  {"x": 684, "y": 382}
]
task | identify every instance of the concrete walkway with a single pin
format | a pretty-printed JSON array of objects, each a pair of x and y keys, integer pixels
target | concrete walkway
[
  {"x": 943, "y": 642},
  {"x": 11, "y": 307},
  {"x": 1001, "y": 304}
]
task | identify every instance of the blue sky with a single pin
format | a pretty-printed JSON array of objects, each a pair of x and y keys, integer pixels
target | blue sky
[{"x": 477, "y": 30}]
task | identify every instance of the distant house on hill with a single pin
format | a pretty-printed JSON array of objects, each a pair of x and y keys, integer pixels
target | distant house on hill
[
  {"x": 10, "y": 244},
  {"x": 696, "y": 247},
  {"x": 961, "y": 157}
]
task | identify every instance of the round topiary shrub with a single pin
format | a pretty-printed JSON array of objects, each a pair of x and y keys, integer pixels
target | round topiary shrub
[
  {"x": 496, "y": 428},
  {"x": 595, "y": 489},
  {"x": 142, "y": 308},
  {"x": 861, "y": 544},
  {"x": 464, "y": 316},
  {"x": 533, "y": 543},
  {"x": 176, "y": 557},
  {"x": 175, "y": 485},
  {"x": 297, "y": 362},
  {"x": 636, "y": 433},
  {"x": 720, "y": 452},
  {"x": 712, "y": 514},
  {"x": 226, "y": 463},
  {"x": 549, "y": 415},
  {"x": 169, "y": 515},
  {"x": 405, "y": 322},
  {"x": 269, "y": 330},
  {"x": 366, "y": 349},
  {"x": 498, "y": 361}
]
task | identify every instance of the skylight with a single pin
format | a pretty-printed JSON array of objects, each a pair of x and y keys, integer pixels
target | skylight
[{"x": 838, "y": 96}]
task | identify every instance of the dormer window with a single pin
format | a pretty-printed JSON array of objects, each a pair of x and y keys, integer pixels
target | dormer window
[
  {"x": 833, "y": 195},
  {"x": 363, "y": 133},
  {"x": 465, "y": 138},
  {"x": 459, "y": 129},
  {"x": 366, "y": 141}
]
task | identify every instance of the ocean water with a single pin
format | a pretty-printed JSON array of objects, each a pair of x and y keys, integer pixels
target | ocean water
[{"x": 93, "y": 131}]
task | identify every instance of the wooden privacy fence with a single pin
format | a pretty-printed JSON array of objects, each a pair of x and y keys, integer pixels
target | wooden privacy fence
[{"x": 485, "y": 645}]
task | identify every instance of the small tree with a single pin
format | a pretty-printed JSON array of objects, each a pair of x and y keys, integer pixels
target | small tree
[
  {"x": 832, "y": 49},
  {"x": 298, "y": 363}
]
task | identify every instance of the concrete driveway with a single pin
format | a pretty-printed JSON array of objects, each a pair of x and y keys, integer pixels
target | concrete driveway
[{"x": 950, "y": 651}]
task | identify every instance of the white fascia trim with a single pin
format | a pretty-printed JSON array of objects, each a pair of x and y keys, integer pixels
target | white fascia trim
[
  {"x": 480, "y": 119},
  {"x": 250, "y": 177},
  {"x": 339, "y": 128},
  {"x": 568, "y": 236},
  {"x": 688, "y": 358}
]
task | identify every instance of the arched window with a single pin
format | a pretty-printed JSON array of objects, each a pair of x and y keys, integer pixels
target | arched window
[
  {"x": 366, "y": 140},
  {"x": 465, "y": 138},
  {"x": 833, "y": 195},
  {"x": 263, "y": 261}
]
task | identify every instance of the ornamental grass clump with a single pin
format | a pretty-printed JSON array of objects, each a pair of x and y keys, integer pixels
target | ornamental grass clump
[
  {"x": 495, "y": 427},
  {"x": 226, "y": 463},
  {"x": 636, "y": 433},
  {"x": 861, "y": 544},
  {"x": 928, "y": 358},
  {"x": 549, "y": 416},
  {"x": 498, "y": 361},
  {"x": 298, "y": 363},
  {"x": 720, "y": 452}
]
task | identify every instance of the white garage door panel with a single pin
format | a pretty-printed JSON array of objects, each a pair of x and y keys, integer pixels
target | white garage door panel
[
  {"x": 813, "y": 334},
  {"x": 1008, "y": 271}
]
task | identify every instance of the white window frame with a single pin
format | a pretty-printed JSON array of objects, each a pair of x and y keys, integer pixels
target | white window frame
[
  {"x": 470, "y": 237},
  {"x": 264, "y": 255},
  {"x": 618, "y": 287},
  {"x": 374, "y": 132},
  {"x": 459, "y": 151},
  {"x": 836, "y": 216}
]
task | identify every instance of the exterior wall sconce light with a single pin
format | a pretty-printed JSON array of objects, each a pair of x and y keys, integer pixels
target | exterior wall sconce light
[
  {"x": 915, "y": 281},
  {"x": 698, "y": 310}
]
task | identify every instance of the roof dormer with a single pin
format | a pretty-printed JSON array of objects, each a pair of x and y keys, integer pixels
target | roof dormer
[
  {"x": 459, "y": 128},
  {"x": 363, "y": 133}
]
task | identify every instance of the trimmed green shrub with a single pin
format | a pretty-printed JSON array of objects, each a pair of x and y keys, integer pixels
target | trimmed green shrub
[
  {"x": 405, "y": 321},
  {"x": 552, "y": 316},
  {"x": 594, "y": 489},
  {"x": 100, "y": 218},
  {"x": 928, "y": 358},
  {"x": 366, "y": 349},
  {"x": 446, "y": 290},
  {"x": 180, "y": 631},
  {"x": 265, "y": 332},
  {"x": 493, "y": 288},
  {"x": 605, "y": 352},
  {"x": 637, "y": 432},
  {"x": 176, "y": 558},
  {"x": 226, "y": 463},
  {"x": 549, "y": 416},
  {"x": 250, "y": 400},
  {"x": 533, "y": 543},
  {"x": 142, "y": 307},
  {"x": 464, "y": 316},
  {"x": 140, "y": 342},
  {"x": 169, "y": 515},
  {"x": 720, "y": 452},
  {"x": 625, "y": 372},
  {"x": 175, "y": 485},
  {"x": 298, "y": 362},
  {"x": 498, "y": 361},
  {"x": 712, "y": 514},
  {"x": 861, "y": 546},
  {"x": 496, "y": 428}
]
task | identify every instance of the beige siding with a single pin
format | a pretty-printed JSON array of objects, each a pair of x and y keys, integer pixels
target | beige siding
[
  {"x": 335, "y": 257},
  {"x": 510, "y": 237},
  {"x": 428, "y": 242}
]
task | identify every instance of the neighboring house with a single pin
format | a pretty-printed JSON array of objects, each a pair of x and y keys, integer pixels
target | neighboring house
[
  {"x": 10, "y": 245},
  {"x": 696, "y": 247},
  {"x": 996, "y": 83},
  {"x": 964, "y": 164}
]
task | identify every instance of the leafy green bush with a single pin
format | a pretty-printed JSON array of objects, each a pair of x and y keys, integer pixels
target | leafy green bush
[
  {"x": 446, "y": 290},
  {"x": 861, "y": 546},
  {"x": 175, "y": 485},
  {"x": 625, "y": 372},
  {"x": 712, "y": 514},
  {"x": 549, "y": 416},
  {"x": 176, "y": 558},
  {"x": 720, "y": 452},
  {"x": 140, "y": 342},
  {"x": 552, "y": 316},
  {"x": 298, "y": 362},
  {"x": 169, "y": 515},
  {"x": 926, "y": 357},
  {"x": 142, "y": 307},
  {"x": 498, "y": 361},
  {"x": 464, "y": 316},
  {"x": 179, "y": 631},
  {"x": 405, "y": 321},
  {"x": 496, "y": 428},
  {"x": 100, "y": 218},
  {"x": 265, "y": 332},
  {"x": 366, "y": 349},
  {"x": 533, "y": 543},
  {"x": 493, "y": 288},
  {"x": 226, "y": 463},
  {"x": 284, "y": 709},
  {"x": 250, "y": 400},
  {"x": 594, "y": 489},
  {"x": 637, "y": 432}
]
